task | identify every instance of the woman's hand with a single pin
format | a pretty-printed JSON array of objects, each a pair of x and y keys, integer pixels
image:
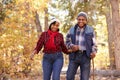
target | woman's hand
[{"x": 32, "y": 54}]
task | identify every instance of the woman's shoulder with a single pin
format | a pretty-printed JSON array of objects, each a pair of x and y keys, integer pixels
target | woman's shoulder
[
  {"x": 60, "y": 34},
  {"x": 43, "y": 33}
]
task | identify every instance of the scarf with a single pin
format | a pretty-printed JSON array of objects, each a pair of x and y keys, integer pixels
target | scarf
[{"x": 50, "y": 43}]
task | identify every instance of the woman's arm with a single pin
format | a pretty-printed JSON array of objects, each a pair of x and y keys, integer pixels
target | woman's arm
[
  {"x": 64, "y": 48},
  {"x": 40, "y": 43},
  {"x": 38, "y": 46}
]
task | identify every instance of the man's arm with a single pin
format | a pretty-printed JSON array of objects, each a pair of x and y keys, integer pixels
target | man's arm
[
  {"x": 94, "y": 47},
  {"x": 69, "y": 43}
]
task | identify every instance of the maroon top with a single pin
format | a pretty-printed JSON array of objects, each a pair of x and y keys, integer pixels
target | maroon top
[{"x": 59, "y": 42}]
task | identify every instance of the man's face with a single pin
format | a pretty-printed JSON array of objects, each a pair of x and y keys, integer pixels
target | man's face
[{"x": 81, "y": 21}]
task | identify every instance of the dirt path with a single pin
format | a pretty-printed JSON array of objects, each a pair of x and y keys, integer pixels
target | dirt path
[{"x": 63, "y": 77}]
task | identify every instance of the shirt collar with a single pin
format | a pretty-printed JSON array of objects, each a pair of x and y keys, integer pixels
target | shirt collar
[{"x": 79, "y": 29}]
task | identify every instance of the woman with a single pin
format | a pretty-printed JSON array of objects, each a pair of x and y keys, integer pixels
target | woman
[{"x": 53, "y": 44}]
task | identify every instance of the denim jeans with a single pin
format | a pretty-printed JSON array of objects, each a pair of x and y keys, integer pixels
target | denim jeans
[
  {"x": 52, "y": 65},
  {"x": 84, "y": 64}
]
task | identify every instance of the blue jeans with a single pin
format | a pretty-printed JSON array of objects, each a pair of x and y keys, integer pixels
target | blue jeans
[
  {"x": 52, "y": 65},
  {"x": 84, "y": 65}
]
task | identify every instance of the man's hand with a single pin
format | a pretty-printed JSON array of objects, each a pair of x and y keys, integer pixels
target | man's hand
[
  {"x": 32, "y": 54},
  {"x": 75, "y": 48},
  {"x": 92, "y": 55}
]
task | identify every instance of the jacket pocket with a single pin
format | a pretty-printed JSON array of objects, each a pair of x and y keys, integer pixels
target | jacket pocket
[{"x": 89, "y": 36}]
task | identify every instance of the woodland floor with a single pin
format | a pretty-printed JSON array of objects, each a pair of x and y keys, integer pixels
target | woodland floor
[{"x": 63, "y": 77}]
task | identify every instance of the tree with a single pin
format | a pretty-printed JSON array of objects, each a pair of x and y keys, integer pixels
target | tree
[
  {"x": 37, "y": 22},
  {"x": 111, "y": 40},
  {"x": 46, "y": 18},
  {"x": 116, "y": 25},
  {"x": 18, "y": 29}
]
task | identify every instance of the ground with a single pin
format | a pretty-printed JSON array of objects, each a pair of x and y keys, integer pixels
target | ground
[{"x": 63, "y": 78}]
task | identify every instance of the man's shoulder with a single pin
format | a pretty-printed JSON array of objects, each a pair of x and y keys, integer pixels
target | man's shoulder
[
  {"x": 88, "y": 26},
  {"x": 71, "y": 30},
  {"x": 89, "y": 29},
  {"x": 72, "y": 27}
]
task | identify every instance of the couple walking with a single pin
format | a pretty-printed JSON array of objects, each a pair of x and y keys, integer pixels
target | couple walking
[{"x": 80, "y": 46}]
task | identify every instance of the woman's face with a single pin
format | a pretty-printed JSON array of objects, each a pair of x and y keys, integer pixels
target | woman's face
[{"x": 55, "y": 27}]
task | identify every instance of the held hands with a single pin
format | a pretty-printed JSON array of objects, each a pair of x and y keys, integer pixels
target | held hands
[
  {"x": 75, "y": 48},
  {"x": 69, "y": 50},
  {"x": 32, "y": 54}
]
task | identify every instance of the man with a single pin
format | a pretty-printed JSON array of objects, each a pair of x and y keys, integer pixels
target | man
[{"x": 81, "y": 39}]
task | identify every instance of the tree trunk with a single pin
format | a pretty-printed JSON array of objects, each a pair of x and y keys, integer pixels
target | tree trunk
[
  {"x": 46, "y": 19},
  {"x": 85, "y": 1},
  {"x": 37, "y": 22},
  {"x": 116, "y": 25},
  {"x": 110, "y": 29}
]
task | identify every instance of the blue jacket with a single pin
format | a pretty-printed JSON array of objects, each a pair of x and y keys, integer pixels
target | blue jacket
[{"x": 89, "y": 32}]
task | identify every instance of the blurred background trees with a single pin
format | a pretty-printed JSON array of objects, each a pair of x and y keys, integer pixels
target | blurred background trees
[{"x": 22, "y": 21}]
